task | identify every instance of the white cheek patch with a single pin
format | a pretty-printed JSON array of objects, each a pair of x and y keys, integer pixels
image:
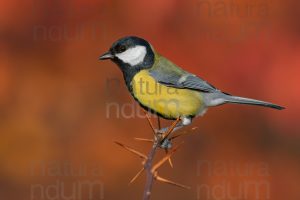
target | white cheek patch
[{"x": 133, "y": 56}]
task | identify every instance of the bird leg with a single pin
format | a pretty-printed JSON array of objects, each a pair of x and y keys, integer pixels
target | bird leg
[
  {"x": 183, "y": 122},
  {"x": 165, "y": 129}
]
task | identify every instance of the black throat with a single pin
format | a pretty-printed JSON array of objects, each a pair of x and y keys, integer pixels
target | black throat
[{"x": 130, "y": 71}]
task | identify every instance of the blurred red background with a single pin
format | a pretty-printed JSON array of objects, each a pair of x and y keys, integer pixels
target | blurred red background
[{"x": 56, "y": 132}]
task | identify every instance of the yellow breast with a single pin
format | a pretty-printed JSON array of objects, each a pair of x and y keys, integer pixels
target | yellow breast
[{"x": 167, "y": 101}]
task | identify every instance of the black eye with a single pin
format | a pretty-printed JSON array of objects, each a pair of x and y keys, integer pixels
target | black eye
[{"x": 120, "y": 48}]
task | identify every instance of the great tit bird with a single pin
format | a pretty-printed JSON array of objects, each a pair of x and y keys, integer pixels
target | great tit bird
[{"x": 165, "y": 89}]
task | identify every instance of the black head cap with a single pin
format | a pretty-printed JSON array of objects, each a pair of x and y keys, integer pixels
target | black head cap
[{"x": 130, "y": 44}]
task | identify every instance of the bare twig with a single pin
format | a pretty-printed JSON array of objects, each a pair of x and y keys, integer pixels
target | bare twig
[
  {"x": 161, "y": 140},
  {"x": 149, "y": 174},
  {"x": 158, "y": 139}
]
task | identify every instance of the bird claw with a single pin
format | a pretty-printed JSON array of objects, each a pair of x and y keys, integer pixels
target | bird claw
[
  {"x": 159, "y": 131},
  {"x": 166, "y": 144}
]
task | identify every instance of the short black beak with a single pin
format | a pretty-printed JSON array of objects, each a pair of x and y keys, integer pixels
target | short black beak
[{"x": 105, "y": 56}]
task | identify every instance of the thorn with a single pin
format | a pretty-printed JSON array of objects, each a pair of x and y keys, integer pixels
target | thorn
[
  {"x": 136, "y": 176},
  {"x": 170, "y": 160},
  {"x": 150, "y": 122},
  {"x": 169, "y": 131},
  {"x": 164, "y": 159},
  {"x": 141, "y": 155},
  {"x": 163, "y": 180},
  {"x": 183, "y": 133},
  {"x": 143, "y": 139}
]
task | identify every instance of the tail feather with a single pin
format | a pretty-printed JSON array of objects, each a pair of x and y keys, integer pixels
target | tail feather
[{"x": 243, "y": 100}]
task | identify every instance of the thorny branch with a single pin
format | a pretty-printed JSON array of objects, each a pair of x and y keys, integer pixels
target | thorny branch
[{"x": 159, "y": 141}]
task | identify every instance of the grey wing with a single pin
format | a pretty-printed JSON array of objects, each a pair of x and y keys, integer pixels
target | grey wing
[{"x": 173, "y": 76}]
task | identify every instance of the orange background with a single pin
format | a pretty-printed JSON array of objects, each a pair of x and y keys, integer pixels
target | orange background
[{"x": 54, "y": 95}]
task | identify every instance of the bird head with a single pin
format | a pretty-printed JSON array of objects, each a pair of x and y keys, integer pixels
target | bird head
[{"x": 130, "y": 52}]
